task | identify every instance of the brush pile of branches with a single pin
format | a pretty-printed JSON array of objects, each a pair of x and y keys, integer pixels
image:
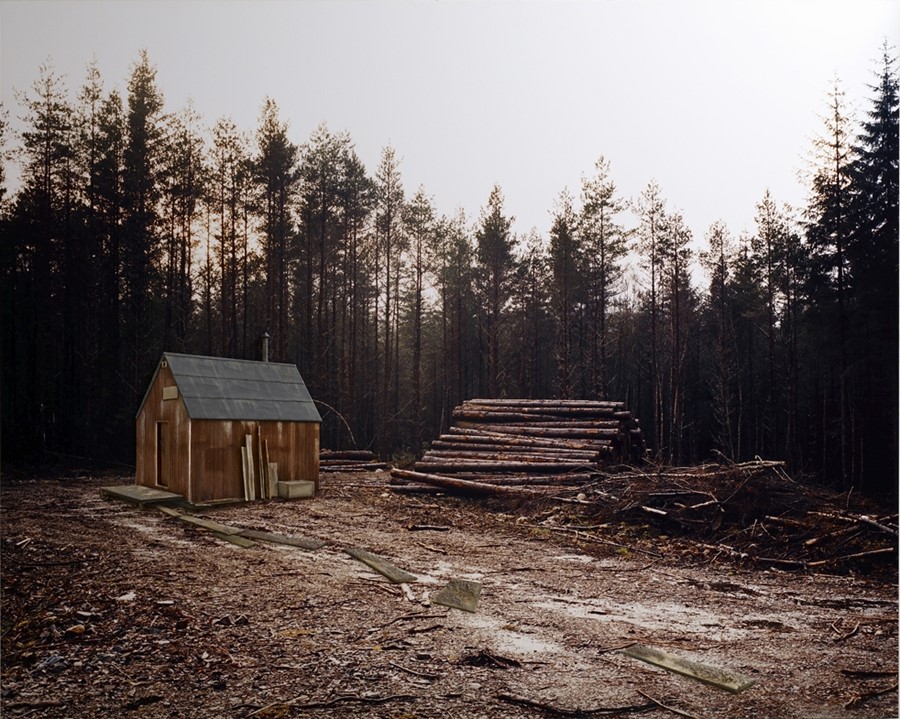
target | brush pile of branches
[
  {"x": 748, "y": 511},
  {"x": 751, "y": 512}
]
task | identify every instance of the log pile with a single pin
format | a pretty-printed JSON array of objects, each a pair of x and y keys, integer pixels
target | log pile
[
  {"x": 351, "y": 460},
  {"x": 539, "y": 442}
]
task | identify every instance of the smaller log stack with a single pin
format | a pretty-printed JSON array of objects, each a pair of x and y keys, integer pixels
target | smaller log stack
[
  {"x": 350, "y": 460},
  {"x": 520, "y": 441}
]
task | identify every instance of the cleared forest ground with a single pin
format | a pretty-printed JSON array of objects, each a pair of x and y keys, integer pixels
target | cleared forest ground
[{"x": 112, "y": 610}]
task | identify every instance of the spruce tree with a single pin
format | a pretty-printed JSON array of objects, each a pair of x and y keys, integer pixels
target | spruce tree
[
  {"x": 872, "y": 253},
  {"x": 828, "y": 231}
]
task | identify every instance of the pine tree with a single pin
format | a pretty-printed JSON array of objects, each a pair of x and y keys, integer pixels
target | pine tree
[
  {"x": 604, "y": 246},
  {"x": 106, "y": 220},
  {"x": 42, "y": 234},
  {"x": 767, "y": 246},
  {"x": 537, "y": 371},
  {"x": 322, "y": 170},
  {"x": 565, "y": 289},
  {"x": 277, "y": 176},
  {"x": 419, "y": 221},
  {"x": 183, "y": 179},
  {"x": 357, "y": 200},
  {"x": 228, "y": 197},
  {"x": 84, "y": 377},
  {"x": 722, "y": 369},
  {"x": 496, "y": 266},
  {"x": 792, "y": 261},
  {"x": 391, "y": 243},
  {"x": 747, "y": 316},
  {"x": 678, "y": 300},
  {"x": 140, "y": 231},
  {"x": 455, "y": 279},
  {"x": 650, "y": 208}
]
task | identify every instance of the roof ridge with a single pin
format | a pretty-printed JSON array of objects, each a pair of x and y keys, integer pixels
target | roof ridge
[{"x": 228, "y": 359}]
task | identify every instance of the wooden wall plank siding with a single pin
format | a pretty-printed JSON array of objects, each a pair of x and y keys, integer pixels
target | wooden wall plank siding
[
  {"x": 178, "y": 435},
  {"x": 216, "y": 449}
]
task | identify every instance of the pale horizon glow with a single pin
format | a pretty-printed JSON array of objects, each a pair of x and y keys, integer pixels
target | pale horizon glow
[{"x": 715, "y": 101}]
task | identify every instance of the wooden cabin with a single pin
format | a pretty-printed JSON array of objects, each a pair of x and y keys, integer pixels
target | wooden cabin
[{"x": 197, "y": 412}]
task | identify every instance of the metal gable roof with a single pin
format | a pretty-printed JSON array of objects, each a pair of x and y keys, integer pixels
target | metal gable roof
[{"x": 221, "y": 388}]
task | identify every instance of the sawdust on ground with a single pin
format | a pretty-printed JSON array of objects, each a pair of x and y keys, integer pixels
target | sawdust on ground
[{"x": 112, "y": 610}]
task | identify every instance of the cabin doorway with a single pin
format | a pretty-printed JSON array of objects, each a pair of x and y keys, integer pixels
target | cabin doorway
[{"x": 162, "y": 453}]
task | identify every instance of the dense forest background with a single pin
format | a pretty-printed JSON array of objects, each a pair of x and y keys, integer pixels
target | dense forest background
[{"x": 135, "y": 230}]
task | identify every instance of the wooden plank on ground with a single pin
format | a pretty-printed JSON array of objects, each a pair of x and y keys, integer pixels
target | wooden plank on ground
[
  {"x": 171, "y": 511},
  {"x": 275, "y": 538},
  {"x": 235, "y": 539},
  {"x": 714, "y": 676},
  {"x": 382, "y": 566},
  {"x": 460, "y": 594},
  {"x": 140, "y": 495},
  {"x": 209, "y": 524}
]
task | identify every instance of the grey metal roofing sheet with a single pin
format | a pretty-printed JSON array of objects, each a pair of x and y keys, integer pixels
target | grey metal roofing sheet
[{"x": 220, "y": 388}]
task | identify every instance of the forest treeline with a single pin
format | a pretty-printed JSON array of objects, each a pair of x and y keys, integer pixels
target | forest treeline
[{"x": 135, "y": 230}]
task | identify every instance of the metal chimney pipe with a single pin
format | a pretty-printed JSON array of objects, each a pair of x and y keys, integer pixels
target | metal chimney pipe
[{"x": 265, "y": 347}]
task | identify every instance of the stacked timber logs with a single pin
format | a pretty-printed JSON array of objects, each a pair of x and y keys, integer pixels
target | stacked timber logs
[
  {"x": 352, "y": 460},
  {"x": 518, "y": 441}
]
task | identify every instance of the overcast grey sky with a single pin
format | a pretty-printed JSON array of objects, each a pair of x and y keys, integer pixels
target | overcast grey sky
[{"x": 714, "y": 100}]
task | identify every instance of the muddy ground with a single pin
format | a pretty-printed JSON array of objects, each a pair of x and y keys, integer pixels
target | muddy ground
[{"x": 109, "y": 610}]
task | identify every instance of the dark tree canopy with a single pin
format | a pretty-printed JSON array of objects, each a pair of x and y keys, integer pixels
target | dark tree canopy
[{"x": 136, "y": 229}]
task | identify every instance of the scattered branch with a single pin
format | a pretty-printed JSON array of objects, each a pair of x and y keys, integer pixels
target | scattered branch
[
  {"x": 666, "y": 707},
  {"x": 846, "y": 635},
  {"x": 424, "y": 675},
  {"x": 867, "y": 674},
  {"x": 295, "y": 702},
  {"x": 579, "y": 713},
  {"x": 858, "y": 699}
]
